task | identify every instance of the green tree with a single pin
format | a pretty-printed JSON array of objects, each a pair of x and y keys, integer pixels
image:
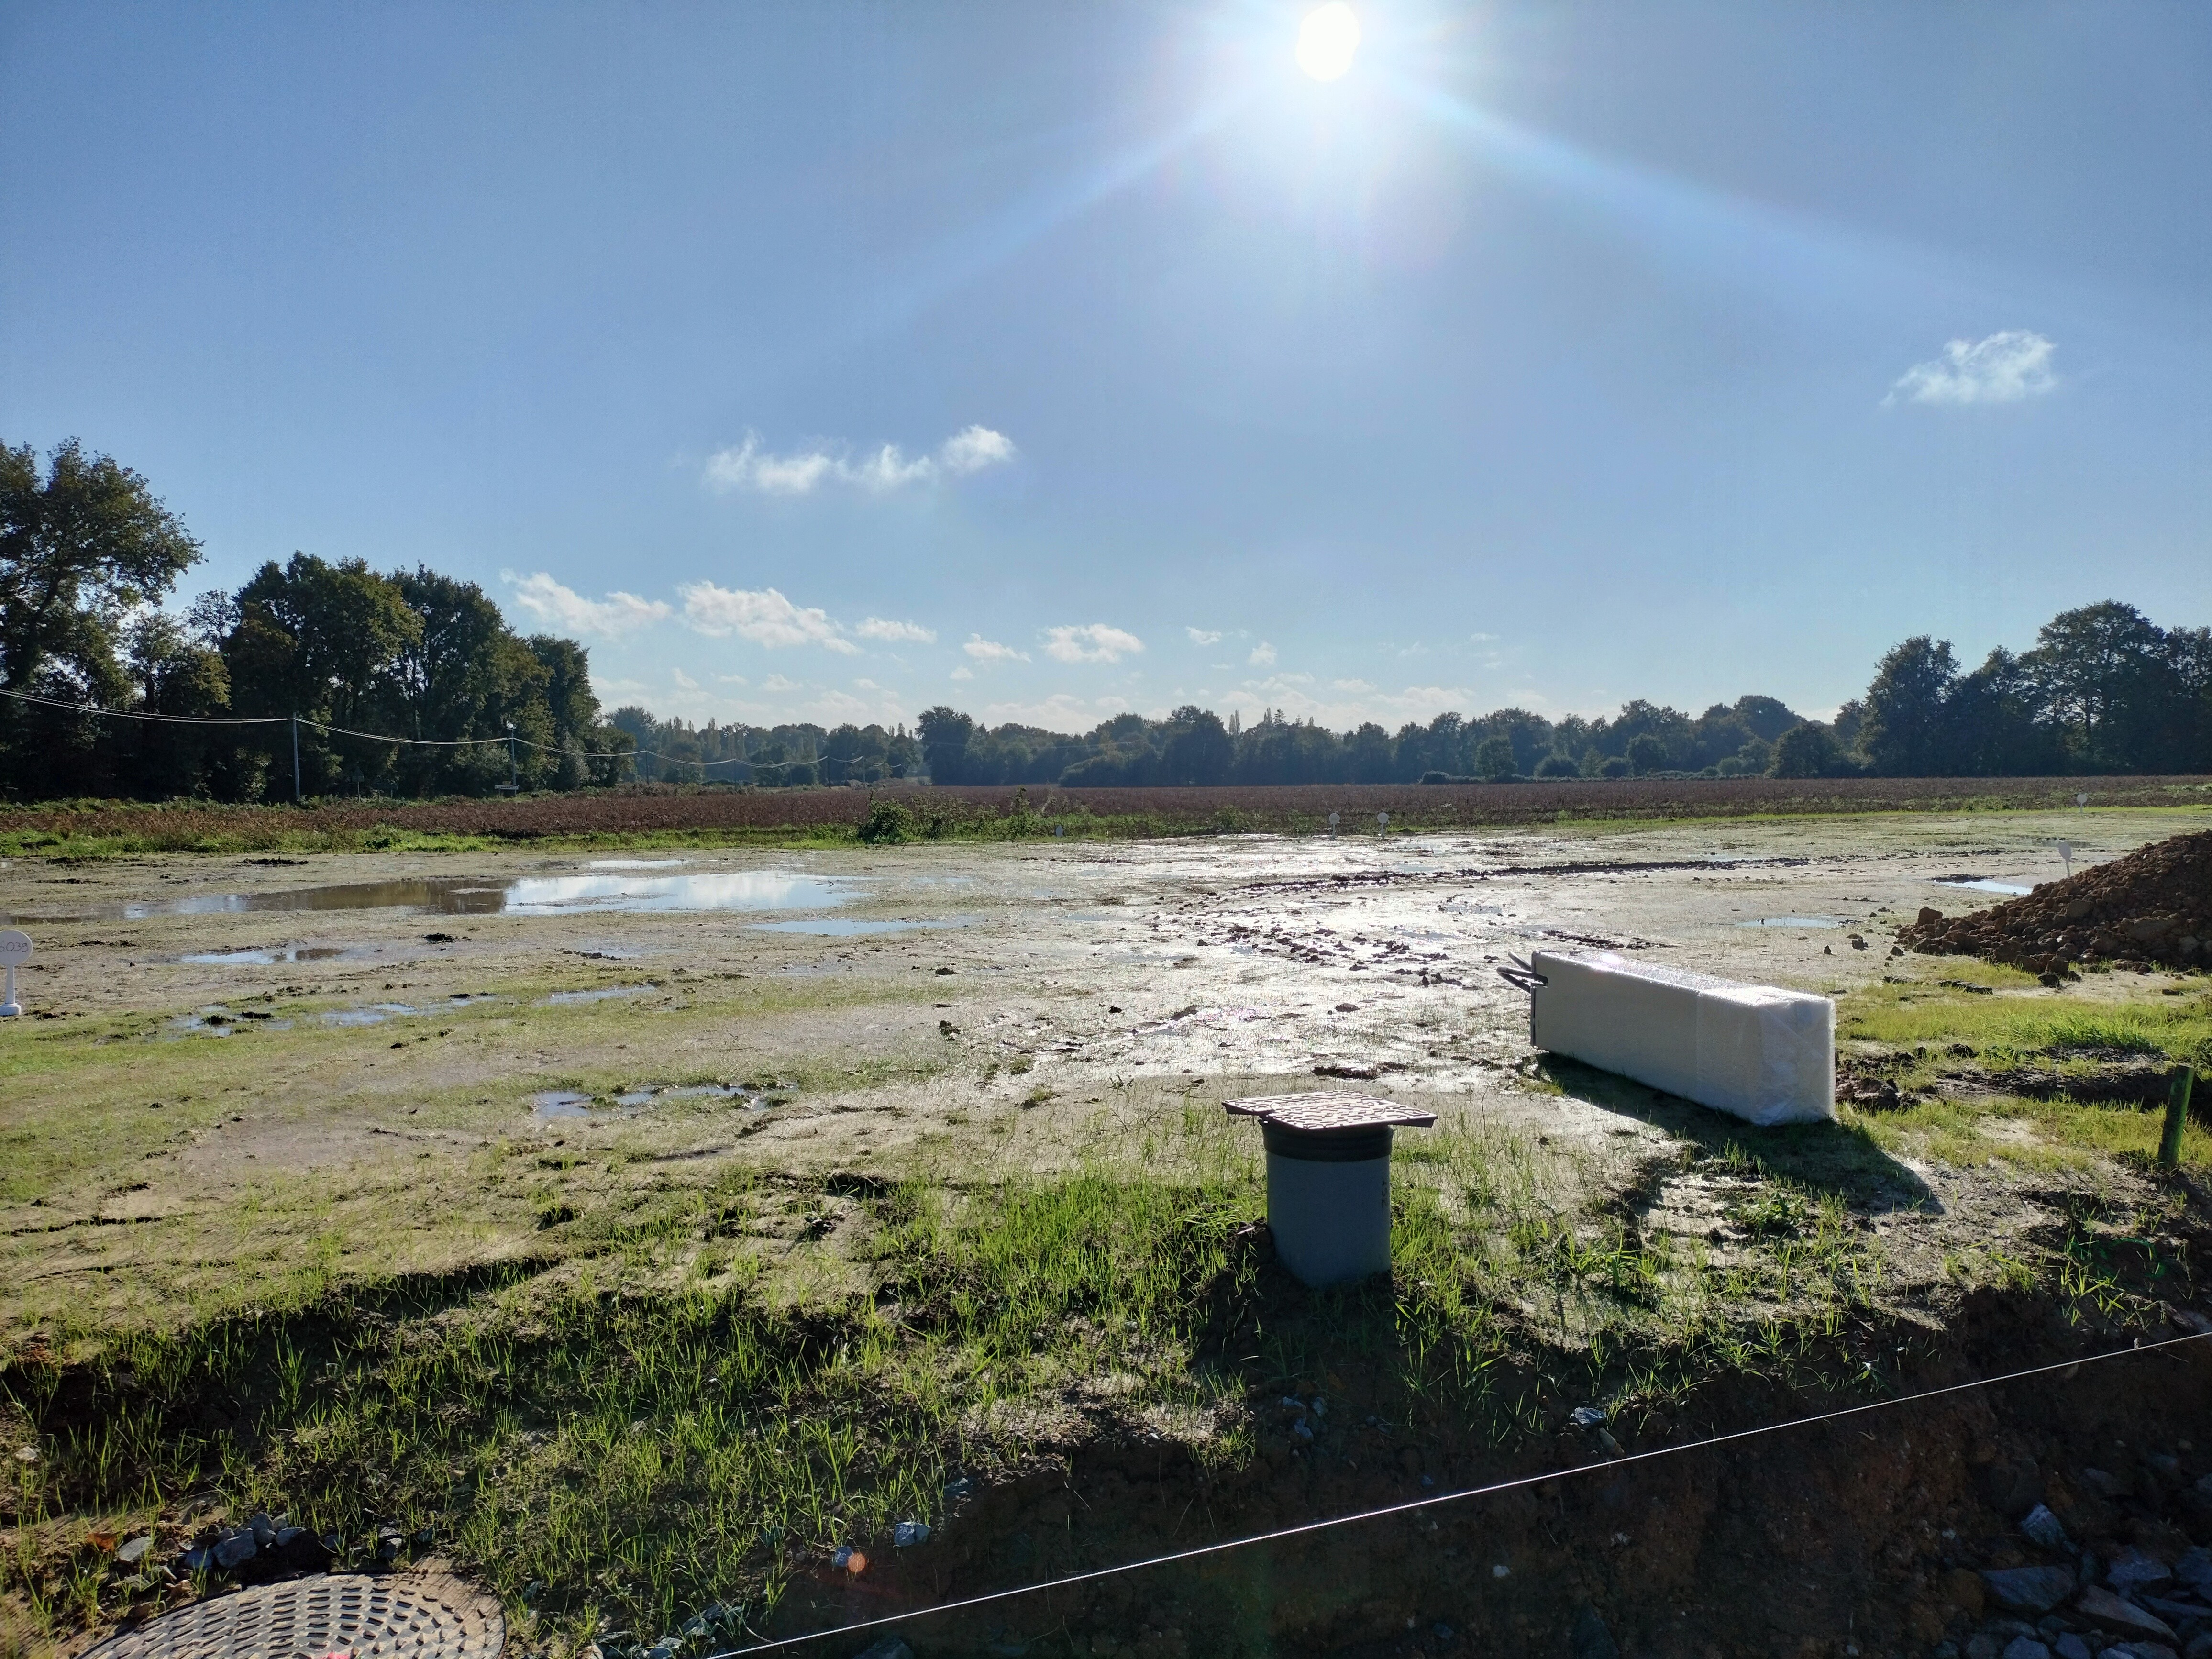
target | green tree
[
  {"x": 1199, "y": 750},
  {"x": 2099, "y": 671},
  {"x": 83, "y": 542},
  {"x": 1493, "y": 759},
  {"x": 1806, "y": 750},
  {"x": 331, "y": 643},
  {"x": 1646, "y": 754},
  {"x": 1907, "y": 730}
]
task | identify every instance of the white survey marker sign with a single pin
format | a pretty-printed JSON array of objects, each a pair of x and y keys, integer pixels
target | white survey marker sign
[{"x": 14, "y": 951}]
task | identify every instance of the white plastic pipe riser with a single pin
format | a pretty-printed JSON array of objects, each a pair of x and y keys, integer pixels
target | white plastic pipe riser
[
  {"x": 1328, "y": 1202},
  {"x": 1757, "y": 1052}
]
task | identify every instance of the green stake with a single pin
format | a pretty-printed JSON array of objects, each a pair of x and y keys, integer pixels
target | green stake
[{"x": 2176, "y": 1114}]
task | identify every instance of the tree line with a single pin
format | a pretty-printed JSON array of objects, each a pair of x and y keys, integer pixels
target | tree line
[
  {"x": 2103, "y": 690},
  {"x": 89, "y": 556}
]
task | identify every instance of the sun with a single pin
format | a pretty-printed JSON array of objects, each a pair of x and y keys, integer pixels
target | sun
[{"x": 1328, "y": 40}]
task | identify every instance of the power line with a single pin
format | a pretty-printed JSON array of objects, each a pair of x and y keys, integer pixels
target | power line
[
  {"x": 348, "y": 732},
  {"x": 1417, "y": 1503}
]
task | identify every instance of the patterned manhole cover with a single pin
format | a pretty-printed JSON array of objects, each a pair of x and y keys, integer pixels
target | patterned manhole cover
[{"x": 421, "y": 1615}]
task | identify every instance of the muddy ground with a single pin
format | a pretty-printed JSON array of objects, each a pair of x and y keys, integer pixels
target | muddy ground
[{"x": 236, "y": 1072}]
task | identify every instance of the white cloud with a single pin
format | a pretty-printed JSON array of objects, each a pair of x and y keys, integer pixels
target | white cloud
[
  {"x": 777, "y": 683},
  {"x": 749, "y": 467},
  {"x": 617, "y": 614},
  {"x": 972, "y": 448},
  {"x": 683, "y": 679},
  {"x": 896, "y": 633},
  {"x": 1263, "y": 655},
  {"x": 2007, "y": 367},
  {"x": 984, "y": 650},
  {"x": 1090, "y": 642},
  {"x": 1199, "y": 636},
  {"x": 765, "y": 617},
  {"x": 963, "y": 672},
  {"x": 1483, "y": 639}
]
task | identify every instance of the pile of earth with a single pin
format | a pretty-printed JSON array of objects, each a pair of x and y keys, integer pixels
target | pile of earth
[{"x": 2151, "y": 909}]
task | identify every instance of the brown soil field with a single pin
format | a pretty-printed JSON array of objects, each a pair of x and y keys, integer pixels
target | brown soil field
[{"x": 649, "y": 811}]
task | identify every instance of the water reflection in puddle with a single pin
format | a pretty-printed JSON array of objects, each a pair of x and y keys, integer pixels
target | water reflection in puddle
[
  {"x": 1792, "y": 921},
  {"x": 570, "y": 1102},
  {"x": 738, "y": 890},
  {"x": 272, "y": 957},
  {"x": 633, "y": 864},
  {"x": 1982, "y": 884},
  {"x": 741, "y": 890},
  {"x": 602, "y": 993},
  {"x": 375, "y": 1014}
]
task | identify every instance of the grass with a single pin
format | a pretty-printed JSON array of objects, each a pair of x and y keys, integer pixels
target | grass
[
  {"x": 1920, "y": 1032},
  {"x": 632, "y": 1421}
]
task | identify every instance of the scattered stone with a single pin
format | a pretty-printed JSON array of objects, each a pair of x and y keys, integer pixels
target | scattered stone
[
  {"x": 133, "y": 1552},
  {"x": 906, "y": 1534},
  {"x": 283, "y": 1536},
  {"x": 2042, "y": 1527},
  {"x": 1587, "y": 1417},
  {"x": 2131, "y": 1571},
  {"x": 1590, "y": 1639},
  {"x": 2026, "y": 1647},
  {"x": 234, "y": 1547},
  {"x": 2070, "y": 1646},
  {"x": 2029, "y": 1589},
  {"x": 193, "y": 1560},
  {"x": 2101, "y": 1606},
  {"x": 264, "y": 1530},
  {"x": 1982, "y": 1645},
  {"x": 2194, "y": 1569},
  {"x": 2108, "y": 1485}
]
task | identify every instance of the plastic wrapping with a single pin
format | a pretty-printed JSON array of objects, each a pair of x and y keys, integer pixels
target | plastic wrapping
[{"x": 1762, "y": 1054}]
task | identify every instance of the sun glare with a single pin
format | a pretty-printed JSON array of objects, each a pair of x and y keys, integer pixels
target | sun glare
[{"x": 1328, "y": 40}]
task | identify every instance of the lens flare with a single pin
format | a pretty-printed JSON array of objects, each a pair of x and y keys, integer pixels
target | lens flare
[{"x": 1328, "y": 40}]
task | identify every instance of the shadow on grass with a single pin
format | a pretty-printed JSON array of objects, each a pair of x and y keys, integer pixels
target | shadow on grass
[{"x": 1836, "y": 1158}]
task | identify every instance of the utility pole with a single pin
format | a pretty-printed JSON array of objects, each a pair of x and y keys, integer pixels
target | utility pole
[
  {"x": 513, "y": 780},
  {"x": 297, "y": 797}
]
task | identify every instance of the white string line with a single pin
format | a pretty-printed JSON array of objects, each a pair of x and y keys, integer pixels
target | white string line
[
  {"x": 1453, "y": 1496},
  {"x": 348, "y": 731}
]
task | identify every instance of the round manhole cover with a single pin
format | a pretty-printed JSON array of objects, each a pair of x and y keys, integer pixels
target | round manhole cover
[{"x": 424, "y": 1615}]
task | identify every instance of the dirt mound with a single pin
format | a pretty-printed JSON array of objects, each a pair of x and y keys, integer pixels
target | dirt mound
[{"x": 2151, "y": 909}]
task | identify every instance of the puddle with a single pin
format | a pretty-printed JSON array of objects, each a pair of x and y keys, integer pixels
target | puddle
[
  {"x": 843, "y": 926},
  {"x": 601, "y": 995},
  {"x": 527, "y": 896},
  {"x": 741, "y": 890},
  {"x": 215, "y": 1022},
  {"x": 271, "y": 957},
  {"x": 375, "y": 1014},
  {"x": 1792, "y": 921},
  {"x": 1982, "y": 884},
  {"x": 569, "y": 1103},
  {"x": 633, "y": 864}
]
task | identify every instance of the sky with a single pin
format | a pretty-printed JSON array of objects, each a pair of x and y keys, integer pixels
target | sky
[{"x": 831, "y": 362}]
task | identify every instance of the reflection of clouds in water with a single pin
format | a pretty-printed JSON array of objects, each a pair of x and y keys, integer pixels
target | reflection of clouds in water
[{"x": 749, "y": 889}]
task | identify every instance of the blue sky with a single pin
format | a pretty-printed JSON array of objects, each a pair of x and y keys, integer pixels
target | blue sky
[{"x": 831, "y": 362}]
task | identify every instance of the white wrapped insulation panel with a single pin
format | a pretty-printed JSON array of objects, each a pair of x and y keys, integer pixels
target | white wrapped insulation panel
[{"x": 1765, "y": 1055}]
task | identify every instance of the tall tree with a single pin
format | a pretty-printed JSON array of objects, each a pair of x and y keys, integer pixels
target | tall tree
[
  {"x": 1907, "y": 728},
  {"x": 83, "y": 542}
]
